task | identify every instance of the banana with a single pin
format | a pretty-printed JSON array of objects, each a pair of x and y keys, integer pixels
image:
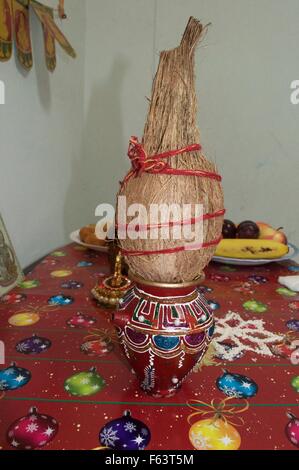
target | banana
[{"x": 250, "y": 249}]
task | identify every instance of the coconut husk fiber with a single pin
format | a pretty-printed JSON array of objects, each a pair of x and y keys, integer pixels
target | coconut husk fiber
[{"x": 172, "y": 124}]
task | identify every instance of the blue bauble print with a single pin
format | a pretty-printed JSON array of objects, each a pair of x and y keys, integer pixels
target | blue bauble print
[
  {"x": 13, "y": 377},
  {"x": 213, "y": 304},
  {"x": 60, "y": 300},
  {"x": 125, "y": 433},
  {"x": 236, "y": 385},
  {"x": 84, "y": 264},
  {"x": 167, "y": 343}
]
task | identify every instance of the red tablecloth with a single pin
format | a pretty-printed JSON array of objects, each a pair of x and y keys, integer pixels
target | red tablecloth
[{"x": 252, "y": 294}]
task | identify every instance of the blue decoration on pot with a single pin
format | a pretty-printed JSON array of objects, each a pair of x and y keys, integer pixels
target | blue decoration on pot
[
  {"x": 125, "y": 433},
  {"x": 236, "y": 385},
  {"x": 167, "y": 343},
  {"x": 211, "y": 330},
  {"x": 13, "y": 377}
]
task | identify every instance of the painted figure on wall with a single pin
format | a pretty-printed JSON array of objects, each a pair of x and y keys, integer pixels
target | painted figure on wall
[
  {"x": 15, "y": 15},
  {"x": 5, "y": 30},
  {"x": 22, "y": 32}
]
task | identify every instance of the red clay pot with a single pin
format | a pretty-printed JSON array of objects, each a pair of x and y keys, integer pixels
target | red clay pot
[{"x": 164, "y": 332}]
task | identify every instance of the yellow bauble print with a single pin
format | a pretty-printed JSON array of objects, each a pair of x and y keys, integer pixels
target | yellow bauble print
[
  {"x": 61, "y": 273},
  {"x": 214, "y": 434},
  {"x": 24, "y": 319}
]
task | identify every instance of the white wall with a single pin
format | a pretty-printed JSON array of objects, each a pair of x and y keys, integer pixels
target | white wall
[
  {"x": 40, "y": 142},
  {"x": 244, "y": 70},
  {"x": 64, "y": 137}
]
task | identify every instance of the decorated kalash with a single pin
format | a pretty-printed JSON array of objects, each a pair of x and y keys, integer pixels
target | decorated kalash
[{"x": 164, "y": 323}]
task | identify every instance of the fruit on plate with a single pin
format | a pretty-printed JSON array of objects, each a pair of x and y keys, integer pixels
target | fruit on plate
[
  {"x": 269, "y": 233},
  {"x": 87, "y": 235},
  {"x": 229, "y": 229},
  {"x": 250, "y": 249},
  {"x": 248, "y": 230}
]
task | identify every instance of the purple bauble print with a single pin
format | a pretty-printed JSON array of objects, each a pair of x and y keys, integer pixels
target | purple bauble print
[
  {"x": 33, "y": 345},
  {"x": 125, "y": 433}
]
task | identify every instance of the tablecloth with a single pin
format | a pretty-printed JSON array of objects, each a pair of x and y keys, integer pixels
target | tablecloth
[{"x": 256, "y": 329}]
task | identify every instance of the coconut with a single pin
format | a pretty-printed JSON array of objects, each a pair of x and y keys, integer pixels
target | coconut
[{"x": 172, "y": 124}]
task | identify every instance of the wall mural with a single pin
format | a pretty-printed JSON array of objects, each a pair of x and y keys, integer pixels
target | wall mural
[{"x": 15, "y": 27}]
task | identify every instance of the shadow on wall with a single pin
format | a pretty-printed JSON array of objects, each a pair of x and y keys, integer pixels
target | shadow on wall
[
  {"x": 39, "y": 63},
  {"x": 96, "y": 174},
  {"x": 41, "y": 71}
]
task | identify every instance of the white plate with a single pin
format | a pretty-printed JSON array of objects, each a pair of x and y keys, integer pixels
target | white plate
[
  {"x": 75, "y": 237},
  {"x": 293, "y": 250}
]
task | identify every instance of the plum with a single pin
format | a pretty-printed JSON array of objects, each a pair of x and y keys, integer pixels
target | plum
[
  {"x": 229, "y": 229},
  {"x": 248, "y": 229}
]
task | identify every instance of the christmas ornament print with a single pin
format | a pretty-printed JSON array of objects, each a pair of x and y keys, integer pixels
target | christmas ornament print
[
  {"x": 228, "y": 269},
  {"x": 287, "y": 349},
  {"x": 214, "y": 434},
  {"x": 236, "y": 385},
  {"x": 11, "y": 299},
  {"x": 72, "y": 285},
  {"x": 80, "y": 320},
  {"x": 204, "y": 290},
  {"x": 293, "y": 324},
  {"x": 61, "y": 273},
  {"x": 294, "y": 305},
  {"x": 96, "y": 348},
  {"x": 84, "y": 264},
  {"x": 84, "y": 384},
  {"x": 286, "y": 292},
  {"x": 58, "y": 254},
  {"x": 258, "y": 279},
  {"x": 218, "y": 431},
  {"x": 32, "y": 431},
  {"x": 125, "y": 433},
  {"x": 292, "y": 429},
  {"x": 219, "y": 277},
  {"x": 33, "y": 345},
  {"x": 213, "y": 304},
  {"x": 30, "y": 284},
  {"x": 60, "y": 300},
  {"x": 13, "y": 377},
  {"x": 50, "y": 262},
  {"x": 245, "y": 288},
  {"x": 295, "y": 383},
  {"x": 255, "y": 306},
  {"x": 24, "y": 319}
]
